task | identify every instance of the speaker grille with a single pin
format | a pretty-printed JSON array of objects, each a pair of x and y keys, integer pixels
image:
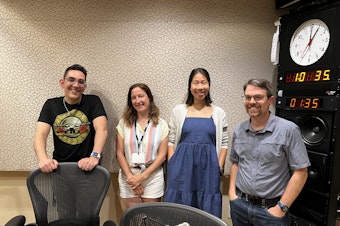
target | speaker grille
[{"x": 314, "y": 130}]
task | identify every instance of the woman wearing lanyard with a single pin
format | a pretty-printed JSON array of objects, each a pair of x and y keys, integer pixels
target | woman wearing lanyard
[{"x": 141, "y": 148}]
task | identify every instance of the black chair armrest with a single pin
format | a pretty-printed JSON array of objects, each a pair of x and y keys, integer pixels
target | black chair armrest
[
  {"x": 16, "y": 221},
  {"x": 109, "y": 223}
]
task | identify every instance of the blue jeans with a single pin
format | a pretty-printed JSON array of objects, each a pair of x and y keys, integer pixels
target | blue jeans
[{"x": 244, "y": 213}]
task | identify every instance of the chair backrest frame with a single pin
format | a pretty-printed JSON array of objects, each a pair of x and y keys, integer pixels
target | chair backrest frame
[
  {"x": 165, "y": 213},
  {"x": 42, "y": 193}
]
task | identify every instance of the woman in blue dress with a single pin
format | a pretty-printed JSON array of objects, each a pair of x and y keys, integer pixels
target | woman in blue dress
[{"x": 197, "y": 148}]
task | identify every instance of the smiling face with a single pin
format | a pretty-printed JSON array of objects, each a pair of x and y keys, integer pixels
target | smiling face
[
  {"x": 140, "y": 100},
  {"x": 199, "y": 87},
  {"x": 256, "y": 101},
  {"x": 74, "y": 85}
]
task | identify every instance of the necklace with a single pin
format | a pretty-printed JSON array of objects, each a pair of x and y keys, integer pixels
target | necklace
[
  {"x": 65, "y": 105},
  {"x": 64, "y": 102}
]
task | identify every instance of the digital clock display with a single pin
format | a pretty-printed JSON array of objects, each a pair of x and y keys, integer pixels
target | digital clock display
[
  {"x": 304, "y": 103},
  {"x": 308, "y": 76}
]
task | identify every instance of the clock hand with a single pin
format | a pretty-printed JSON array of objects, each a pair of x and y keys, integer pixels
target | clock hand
[
  {"x": 309, "y": 43},
  {"x": 314, "y": 35}
]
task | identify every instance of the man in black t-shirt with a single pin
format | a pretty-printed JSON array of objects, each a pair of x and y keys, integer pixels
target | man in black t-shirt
[{"x": 78, "y": 123}]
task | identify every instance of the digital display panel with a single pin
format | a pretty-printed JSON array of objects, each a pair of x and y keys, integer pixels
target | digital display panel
[
  {"x": 308, "y": 76},
  {"x": 304, "y": 102}
]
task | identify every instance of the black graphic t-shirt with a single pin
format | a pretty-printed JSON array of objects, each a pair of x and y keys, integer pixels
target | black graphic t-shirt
[{"x": 72, "y": 126}]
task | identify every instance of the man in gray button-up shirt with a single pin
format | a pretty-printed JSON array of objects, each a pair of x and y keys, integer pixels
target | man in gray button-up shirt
[{"x": 269, "y": 162}]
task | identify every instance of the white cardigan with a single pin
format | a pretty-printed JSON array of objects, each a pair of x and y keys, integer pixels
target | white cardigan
[{"x": 177, "y": 120}]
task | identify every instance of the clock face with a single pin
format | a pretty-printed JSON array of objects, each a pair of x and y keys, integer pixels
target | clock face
[{"x": 309, "y": 42}]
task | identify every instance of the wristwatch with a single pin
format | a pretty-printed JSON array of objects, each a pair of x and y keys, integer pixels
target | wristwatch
[
  {"x": 283, "y": 207},
  {"x": 95, "y": 154}
]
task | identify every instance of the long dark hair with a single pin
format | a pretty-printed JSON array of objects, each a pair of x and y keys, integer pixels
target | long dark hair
[
  {"x": 130, "y": 113},
  {"x": 190, "y": 98}
]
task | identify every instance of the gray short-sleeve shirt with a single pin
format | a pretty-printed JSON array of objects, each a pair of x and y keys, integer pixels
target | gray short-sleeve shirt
[{"x": 266, "y": 158}]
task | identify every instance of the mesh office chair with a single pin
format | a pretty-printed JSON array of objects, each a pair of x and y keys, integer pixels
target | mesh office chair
[
  {"x": 68, "y": 196},
  {"x": 17, "y": 221},
  {"x": 167, "y": 214}
]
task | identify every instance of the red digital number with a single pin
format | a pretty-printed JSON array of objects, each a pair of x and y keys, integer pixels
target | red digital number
[
  {"x": 315, "y": 103},
  {"x": 304, "y": 103},
  {"x": 309, "y": 76}
]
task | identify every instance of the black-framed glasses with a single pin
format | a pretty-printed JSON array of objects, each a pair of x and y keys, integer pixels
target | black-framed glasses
[
  {"x": 256, "y": 98},
  {"x": 73, "y": 80}
]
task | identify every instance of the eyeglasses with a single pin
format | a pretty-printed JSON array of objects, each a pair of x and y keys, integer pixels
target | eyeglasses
[
  {"x": 72, "y": 80},
  {"x": 203, "y": 83},
  {"x": 256, "y": 98}
]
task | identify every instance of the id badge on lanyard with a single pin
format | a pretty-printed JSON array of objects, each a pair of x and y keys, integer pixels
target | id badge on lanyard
[{"x": 139, "y": 157}]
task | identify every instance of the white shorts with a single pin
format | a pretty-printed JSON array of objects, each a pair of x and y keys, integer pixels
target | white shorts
[{"x": 153, "y": 186}]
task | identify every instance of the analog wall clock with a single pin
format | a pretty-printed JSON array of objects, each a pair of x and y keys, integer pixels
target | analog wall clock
[{"x": 309, "y": 42}]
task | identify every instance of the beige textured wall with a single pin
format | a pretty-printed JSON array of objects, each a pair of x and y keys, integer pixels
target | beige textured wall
[{"x": 121, "y": 42}]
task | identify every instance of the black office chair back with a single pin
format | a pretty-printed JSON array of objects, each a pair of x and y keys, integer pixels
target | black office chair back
[
  {"x": 167, "y": 214},
  {"x": 68, "y": 196}
]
